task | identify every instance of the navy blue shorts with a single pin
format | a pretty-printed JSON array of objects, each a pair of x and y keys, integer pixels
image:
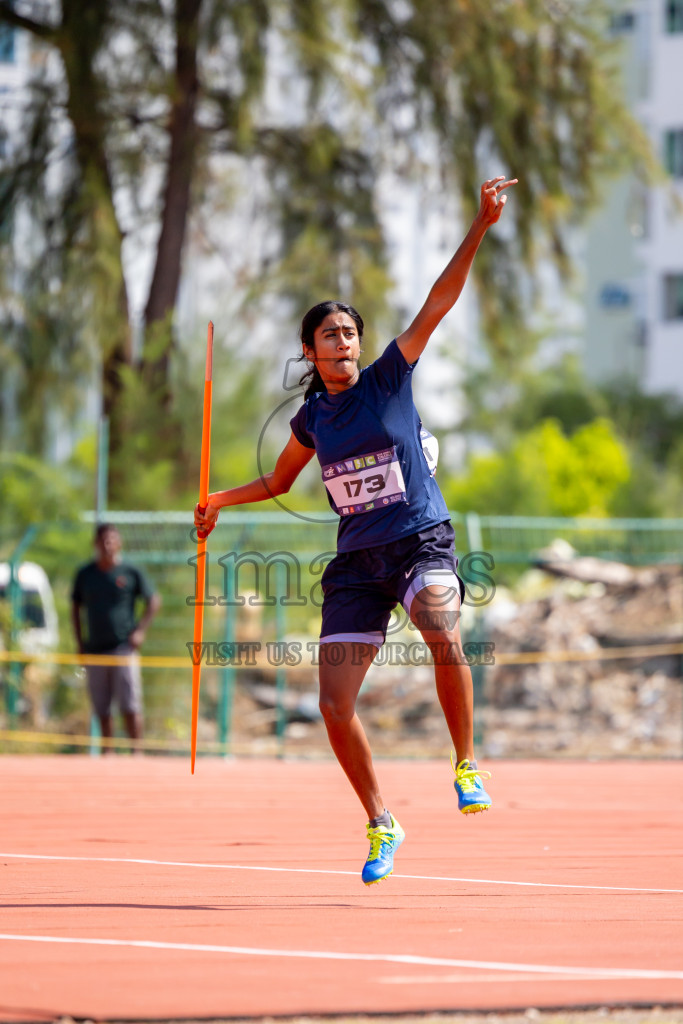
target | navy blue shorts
[{"x": 361, "y": 588}]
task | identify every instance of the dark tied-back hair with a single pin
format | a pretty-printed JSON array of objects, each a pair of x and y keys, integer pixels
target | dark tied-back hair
[{"x": 311, "y": 321}]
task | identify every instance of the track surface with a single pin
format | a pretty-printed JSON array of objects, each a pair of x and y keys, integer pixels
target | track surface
[{"x": 131, "y": 889}]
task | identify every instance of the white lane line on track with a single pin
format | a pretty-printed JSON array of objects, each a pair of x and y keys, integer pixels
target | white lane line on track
[
  {"x": 387, "y": 958},
  {"x": 322, "y": 871},
  {"x": 466, "y": 977}
]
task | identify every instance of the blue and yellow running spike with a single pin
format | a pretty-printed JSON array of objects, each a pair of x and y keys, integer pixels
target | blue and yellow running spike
[
  {"x": 384, "y": 842},
  {"x": 472, "y": 797}
]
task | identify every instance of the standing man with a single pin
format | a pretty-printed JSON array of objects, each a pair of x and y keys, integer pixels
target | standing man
[{"x": 108, "y": 589}]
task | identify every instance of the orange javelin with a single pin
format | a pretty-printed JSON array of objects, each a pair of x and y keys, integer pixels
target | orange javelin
[{"x": 201, "y": 541}]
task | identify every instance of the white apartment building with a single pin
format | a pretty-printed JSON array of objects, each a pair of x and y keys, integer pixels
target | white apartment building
[{"x": 634, "y": 246}]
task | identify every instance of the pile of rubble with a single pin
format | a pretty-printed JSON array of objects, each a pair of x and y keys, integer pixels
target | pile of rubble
[
  {"x": 588, "y": 659},
  {"x": 610, "y": 682}
]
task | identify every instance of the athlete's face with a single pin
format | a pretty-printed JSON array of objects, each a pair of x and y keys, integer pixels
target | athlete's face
[{"x": 337, "y": 347}]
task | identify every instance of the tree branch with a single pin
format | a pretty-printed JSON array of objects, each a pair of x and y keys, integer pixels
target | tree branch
[{"x": 10, "y": 17}]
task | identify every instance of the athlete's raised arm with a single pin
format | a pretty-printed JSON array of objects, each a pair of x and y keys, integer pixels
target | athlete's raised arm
[
  {"x": 291, "y": 461},
  {"x": 445, "y": 291}
]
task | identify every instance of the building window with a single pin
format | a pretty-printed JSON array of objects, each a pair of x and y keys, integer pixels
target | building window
[
  {"x": 673, "y": 17},
  {"x": 624, "y": 21},
  {"x": 673, "y": 152},
  {"x": 6, "y": 45},
  {"x": 614, "y": 295},
  {"x": 673, "y": 296}
]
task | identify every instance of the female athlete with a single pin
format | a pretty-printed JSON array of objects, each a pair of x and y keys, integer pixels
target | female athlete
[{"x": 395, "y": 541}]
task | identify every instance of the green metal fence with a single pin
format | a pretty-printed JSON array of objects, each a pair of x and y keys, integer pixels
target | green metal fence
[
  {"x": 519, "y": 539},
  {"x": 263, "y": 581}
]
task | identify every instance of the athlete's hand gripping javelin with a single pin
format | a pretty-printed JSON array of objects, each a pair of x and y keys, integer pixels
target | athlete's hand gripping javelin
[{"x": 205, "y": 518}]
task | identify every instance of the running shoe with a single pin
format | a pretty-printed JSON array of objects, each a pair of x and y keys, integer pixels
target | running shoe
[
  {"x": 472, "y": 796},
  {"x": 384, "y": 842}
]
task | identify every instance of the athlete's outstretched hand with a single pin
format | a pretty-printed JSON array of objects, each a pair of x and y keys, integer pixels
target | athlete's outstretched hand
[
  {"x": 492, "y": 199},
  {"x": 445, "y": 291}
]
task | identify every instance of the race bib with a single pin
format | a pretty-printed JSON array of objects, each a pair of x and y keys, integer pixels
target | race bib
[
  {"x": 365, "y": 483},
  {"x": 430, "y": 449}
]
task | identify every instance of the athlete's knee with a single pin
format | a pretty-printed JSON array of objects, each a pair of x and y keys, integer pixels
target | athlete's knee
[
  {"x": 445, "y": 645},
  {"x": 336, "y": 709}
]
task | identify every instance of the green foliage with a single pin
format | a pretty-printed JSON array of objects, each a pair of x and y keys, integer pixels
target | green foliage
[
  {"x": 533, "y": 88},
  {"x": 544, "y": 472},
  {"x": 158, "y": 98},
  {"x": 652, "y": 427},
  {"x": 649, "y": 428},
  {"x": 31, "y": 491},
  {"x": 499, "y": 403},
  {"x": 49, "y": 499},
  {"x": 653, "y": 422}
]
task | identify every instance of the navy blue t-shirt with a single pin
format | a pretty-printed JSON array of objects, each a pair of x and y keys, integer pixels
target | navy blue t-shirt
[{"x": 367, "y": 440}]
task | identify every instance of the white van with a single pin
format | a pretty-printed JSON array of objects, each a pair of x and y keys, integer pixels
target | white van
[{"x": 38, "y": 628}]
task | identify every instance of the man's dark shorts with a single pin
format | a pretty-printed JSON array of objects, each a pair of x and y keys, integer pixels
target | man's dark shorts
[{"x": 361, "y": 588}]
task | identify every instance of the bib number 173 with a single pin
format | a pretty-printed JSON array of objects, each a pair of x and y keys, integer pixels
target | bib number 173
[{"x": 373, "y": 484}]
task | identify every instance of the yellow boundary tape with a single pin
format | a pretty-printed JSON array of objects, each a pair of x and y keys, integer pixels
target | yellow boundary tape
[
  {"x": 257, "y": 658},
  {"x": 165, "y": 746},
  {"x": 19, "y": 736},
  {"x": 179, "y": 746},
  {"x": 55, "y": 658},
  {"x": 603, "y": 654}
]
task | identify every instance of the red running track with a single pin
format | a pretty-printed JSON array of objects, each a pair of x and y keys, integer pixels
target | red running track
[{"x": 133, "y": 890}]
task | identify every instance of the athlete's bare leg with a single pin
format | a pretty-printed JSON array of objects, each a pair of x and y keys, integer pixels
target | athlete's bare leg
[
  {"x": 342, "y": 670},
  {"x": 435, "y": 611}
]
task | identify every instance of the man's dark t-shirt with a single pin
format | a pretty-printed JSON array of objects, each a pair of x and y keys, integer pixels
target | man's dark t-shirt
[{"x": 109, "y": 597}]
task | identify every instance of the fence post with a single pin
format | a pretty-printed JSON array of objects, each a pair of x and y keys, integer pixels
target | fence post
[
  {"x": 280, "y": 671},
  {"x": 101, "y": 497},
  {"x": 476, "y": 636},
  {"x": 227, "y": 686},
  {"x": 473, "y": 532},
  {"x": 95, "y": 736},
  {"x": 475, "y": 542},
  {"x": 102, "y": 474},
  {"x": 15, "y": 620}
]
